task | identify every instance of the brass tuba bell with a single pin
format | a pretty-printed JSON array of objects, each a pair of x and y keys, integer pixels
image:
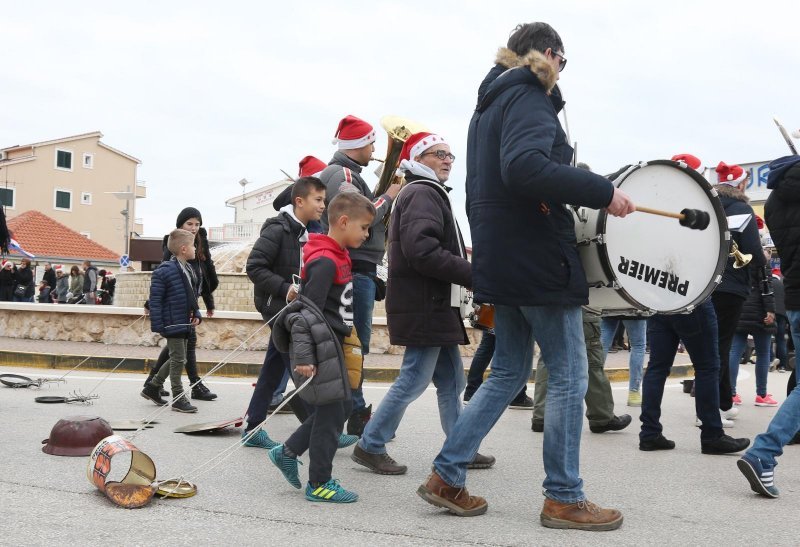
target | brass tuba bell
[
  {"x": 399, "y": 130},
  {"x": 740, "y": 260}
]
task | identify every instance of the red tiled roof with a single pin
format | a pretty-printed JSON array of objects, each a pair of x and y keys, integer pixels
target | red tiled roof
[{"x": 41, "y": 235}]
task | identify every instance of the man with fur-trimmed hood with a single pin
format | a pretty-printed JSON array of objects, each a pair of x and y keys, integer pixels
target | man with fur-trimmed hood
[{"x": 526, "y": 263}]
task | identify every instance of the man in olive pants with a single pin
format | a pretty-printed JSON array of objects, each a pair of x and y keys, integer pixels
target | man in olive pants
[{"x": 599, "y": 400}]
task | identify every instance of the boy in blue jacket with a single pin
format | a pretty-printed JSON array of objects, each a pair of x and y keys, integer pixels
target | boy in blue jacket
[{"x": 173, "y": 312}]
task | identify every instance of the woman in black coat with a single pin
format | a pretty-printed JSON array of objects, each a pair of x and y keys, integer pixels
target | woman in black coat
[
  {"x": 8, "y": 280},
  {"x": 758, "y": 320},
  {"x": 191, "y": 220},
  {"x": 24, "y": 277}
]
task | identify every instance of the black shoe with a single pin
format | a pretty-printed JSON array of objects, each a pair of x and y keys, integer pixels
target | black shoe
[
  {"x": 481, "y": 462},
  {"x": 152, "y": 393},
  {"x": 358, "y": 421},
  {"x": 656, "y": 443},
  {"x": 202, "y": 393},
  {"x": 522, "y": 403},
  {"x": 537, "y": 427},
  {"x": 183, "y": 405},
  {"x": 618, "y": 423},
  {"x": 724, "y": 445},
  {"x": 163, "y": 392},
  {"x": 382, "y": 464},
  {"x": 286, "y": 409}
]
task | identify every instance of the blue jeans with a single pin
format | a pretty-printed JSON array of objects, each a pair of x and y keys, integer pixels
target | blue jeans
[
  {"x": 784, "y": 425},
  {"x": 698, "y": 332},
  {"x": 420, "y": 365},
  {"x": 363, "y": 305},
  {"x": 637, "y": 336},
  {"x": 559, "y": 332},
  {"x": 762, "y": 341},
  {"x": 277, "y": 396},
  {"x": 780, "y": 342}
]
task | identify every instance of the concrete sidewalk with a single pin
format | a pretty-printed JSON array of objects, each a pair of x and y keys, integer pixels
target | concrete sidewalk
[{"x": 56, "y": 354}]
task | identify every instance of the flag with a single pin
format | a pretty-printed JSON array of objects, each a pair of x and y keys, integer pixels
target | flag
[{"x": 14, "y": 246}]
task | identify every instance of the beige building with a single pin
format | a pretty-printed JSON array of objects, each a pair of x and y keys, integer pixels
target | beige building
[{"x": 79, "y": 181}]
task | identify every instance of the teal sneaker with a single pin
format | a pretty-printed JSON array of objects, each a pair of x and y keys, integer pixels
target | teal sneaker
[
  {"x": 260, "y": 440},
  {"x": 287, "y": 465},
  {"x": 347, "y": 440},
  {"x": 330, "y": 492}
]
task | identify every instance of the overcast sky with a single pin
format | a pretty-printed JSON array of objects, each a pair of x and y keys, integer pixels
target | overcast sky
[{"x": 206, "y": 93}]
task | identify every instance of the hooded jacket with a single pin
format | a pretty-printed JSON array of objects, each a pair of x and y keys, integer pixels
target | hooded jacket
[
  {"x": 425, "y": 258},
  {"x": 274, "y": 259},
  {"x": 782, "y": 215},
  {"x": 327, "y": 281},
  {"x": 518, "y": 184},
  {"x": 205, "y": 270},
  {"x": 738, "y": 281},
  {"x": 342, "y": 170}
]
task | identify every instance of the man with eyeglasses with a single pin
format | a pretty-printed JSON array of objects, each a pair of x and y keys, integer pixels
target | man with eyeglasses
[
  {"x": 526, "y": 263},
  {"x": 427, "y": 267}
]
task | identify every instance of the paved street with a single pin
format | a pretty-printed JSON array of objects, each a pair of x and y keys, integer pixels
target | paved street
[{"x": 677, "y": 497}]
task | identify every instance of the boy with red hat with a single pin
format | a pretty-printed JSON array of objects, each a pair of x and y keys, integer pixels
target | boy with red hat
[{"x": 355, "y": 140}]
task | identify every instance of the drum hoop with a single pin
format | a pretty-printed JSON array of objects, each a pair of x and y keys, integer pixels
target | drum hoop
[{"x": 724, "y": 237}]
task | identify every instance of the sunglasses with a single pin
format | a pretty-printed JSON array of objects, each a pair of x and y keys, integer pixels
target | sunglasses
[
  {"x": 562, "y": 63},
  {"x": 441, "y": 154}
]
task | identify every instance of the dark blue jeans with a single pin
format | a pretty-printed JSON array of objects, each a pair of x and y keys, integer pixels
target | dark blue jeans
[
  {"x": 269, "y": 378},
  {"x": 698, "y": 332},
  {"x": 363, "y": 305},
  {"x": 781, "y": 351}
]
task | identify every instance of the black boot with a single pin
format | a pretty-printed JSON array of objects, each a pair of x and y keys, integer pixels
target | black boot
[
  {"x": 182, "y": 404},
  {"x": 163, "y": 392},
  {"x": 618, "y": 423},
  {"x": 202, "y": 393},
  {"x": 358, "y": 420},
  {"x": 152, "y": 393}
]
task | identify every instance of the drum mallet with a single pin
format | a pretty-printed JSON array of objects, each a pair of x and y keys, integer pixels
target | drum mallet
[{"x": 691, "y": 218}]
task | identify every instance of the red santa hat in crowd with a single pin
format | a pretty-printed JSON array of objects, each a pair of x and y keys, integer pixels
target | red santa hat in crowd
[
  {"x": 731, "y": 175},
  {"x": 7, "y": 264},
  {"x": 59, "y": 268},
  {"x": 353, "y": 133},
  {"x": 311, "y": 167},
  {"x": 690, "y": 160},
  {"x": 418, "y": 143}
]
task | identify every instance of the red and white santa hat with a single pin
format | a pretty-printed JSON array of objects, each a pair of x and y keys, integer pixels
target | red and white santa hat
[
  {"x": 311, "y": 166},
  {"x": 730, "y": 174},
  {"x": 418, "y": 143},
  {"x": 7, "y": 264},
  {"x": 353, "y": 133},
  {"x": 58, "y": 268},
  {"x": 690, "y": 160}
]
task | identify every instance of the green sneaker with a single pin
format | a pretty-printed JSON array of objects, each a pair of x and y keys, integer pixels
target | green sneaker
[
  {"x": 330, "y": 492},
  {"x": 634, "y": 398},
  {"x": 260, "y": 440},
  {"x": 347, "y": 440},
  {"x": 287, "y": 465}
]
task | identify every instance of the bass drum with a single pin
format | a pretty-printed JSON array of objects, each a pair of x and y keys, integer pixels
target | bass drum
[{"x": 645, "y": 264}]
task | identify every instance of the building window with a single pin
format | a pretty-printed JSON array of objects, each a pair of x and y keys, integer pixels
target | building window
[
  {"x": 88, "y": 161},
  {"x": 7, "y": 196},
  {"x": 64, "y": 160},
  {"x": 63, "y": 200},
  {"x": 86, "y": 198},
  {"x": 87, "y": 235}
]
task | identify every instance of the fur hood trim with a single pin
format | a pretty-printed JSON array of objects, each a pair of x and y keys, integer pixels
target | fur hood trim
[
  {"x": 731, "y": 192},
  {"x": 535, "y": 61}
]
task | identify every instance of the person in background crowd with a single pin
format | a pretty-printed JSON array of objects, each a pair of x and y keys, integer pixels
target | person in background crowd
[
  {"x": 49, "y": 276},
  {"x": 781, "y": 353},
  {"x": 89, "y": 283},
  {"x": 25, "y": 287},
  {"x": 480, "y": 362},
  {"x": 75, "y": 293},
  {"x": 8, "y": 281},
  {"x": 636, "y": 326},
  {"x": 108, "y": 284},
  {"x": 202, "y": 266},
  {"x": 62, "y": 285}
]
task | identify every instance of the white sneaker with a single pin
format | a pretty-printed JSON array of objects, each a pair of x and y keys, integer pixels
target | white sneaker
[
  {"x": 725, "y": 421},
  {"x": 731, "y": 414}
]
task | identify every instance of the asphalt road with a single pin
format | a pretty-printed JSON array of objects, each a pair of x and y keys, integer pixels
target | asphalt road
[{"x": 677, "y": 497}]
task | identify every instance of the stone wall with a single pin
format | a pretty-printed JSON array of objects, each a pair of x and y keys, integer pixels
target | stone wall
[
  {"x": 235, "y": 291},
  {"x": 117, "y": 325}
]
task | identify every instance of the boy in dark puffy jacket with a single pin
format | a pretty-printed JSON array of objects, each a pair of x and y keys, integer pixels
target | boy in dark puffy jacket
[
  {"x": 173, "y": 312},
  {"x": 327, "y": 284}
]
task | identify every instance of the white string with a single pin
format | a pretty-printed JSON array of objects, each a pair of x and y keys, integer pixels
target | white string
[{"x": 129, "y": 325}]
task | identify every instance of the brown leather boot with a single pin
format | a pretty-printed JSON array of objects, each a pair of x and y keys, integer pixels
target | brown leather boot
[
  {"x": 582, "y": 515},
  {"x": 481, "y": 462},
  {"x": 456, "y": 500},
  {"x": 382, "y": 464}
]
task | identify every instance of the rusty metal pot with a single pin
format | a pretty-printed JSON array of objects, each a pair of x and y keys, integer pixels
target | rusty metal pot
[{"x": 76, "y": 436}]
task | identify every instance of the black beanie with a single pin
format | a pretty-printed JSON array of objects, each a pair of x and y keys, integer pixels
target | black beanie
[{"x": 186, "y": 214}]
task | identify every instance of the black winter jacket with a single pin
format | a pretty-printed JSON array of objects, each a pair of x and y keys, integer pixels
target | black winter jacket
[
  {"x": 760, "y": 301},
  {"x": 782, "y": 213},
  {"x": 275, "y": 257},
  {"x": 425, "y": 258},
  {"x": 738, "y": 281},
  {"x": 173, "y": 301},
  {"x": 90, "y": 280},
  {"x": 24, "y": 276},
  {"x": 302, "y": 332},
  {"x": 205, "y": 270},
  {"x": 7, "y": 277},
  {"x": 49, "y": 277},
  {"x": 518, "y": 184}
]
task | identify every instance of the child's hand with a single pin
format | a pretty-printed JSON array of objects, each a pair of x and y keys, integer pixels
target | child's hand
[
  {"x": 195, "y": 321},
  {"x": 305, "y": 370},
  {"x": 292, "y": 294}
]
